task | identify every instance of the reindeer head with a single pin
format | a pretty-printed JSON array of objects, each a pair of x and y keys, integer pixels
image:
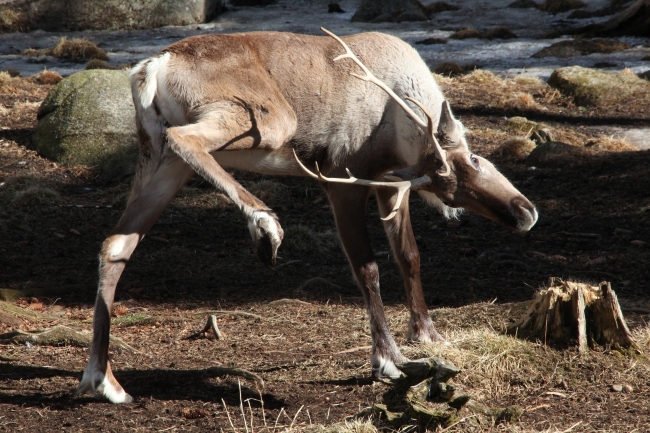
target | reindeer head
[
  {"x": 447, "y": 175},
  {"x": 466, "y": 181}
]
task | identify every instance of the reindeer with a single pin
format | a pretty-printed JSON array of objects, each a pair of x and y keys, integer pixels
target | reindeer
[{"x": 276, "y": 103}]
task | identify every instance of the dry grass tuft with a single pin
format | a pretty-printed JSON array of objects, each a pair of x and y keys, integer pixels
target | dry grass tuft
[
  {"x": 5, "y": 78},
  {"x": 467, "y": 33},
  {"x": 270, "y": 192},
  {"x": 47, "y": 77},
  {"x": 515, "y": 148},
  {"x": 499, "y": 33},
  {"x": 78, "y": 49},
  {"x": 354, "y": 426},
  {"x": 440, "y": 6},
  {"x": 300, "y": 239},
  {"x": 527, "y": 81},
  {"x": 73, "y": 49},
  {"x": 493, "y": 33},
  {"x": 98, "y": 64},
  {"x": 449, "y": 69},
  {"x": 610, "y": 144},
  {"x": 558, "y": 6},
  {"x": 10, "y": 20},
  {"x": 35, "y": 194},
  {"x": 524, "y": 100}
]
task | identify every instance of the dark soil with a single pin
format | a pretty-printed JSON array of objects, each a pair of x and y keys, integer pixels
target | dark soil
[{"x": 199, "y": 257}]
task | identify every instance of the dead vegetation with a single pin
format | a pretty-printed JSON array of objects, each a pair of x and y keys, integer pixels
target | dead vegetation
[
  {"x": 71, "y": 49},
  {"x": 514, "y": 148},
  {"x": 300, "y": 238},
  {"x": 269, "y": 191},
  {"x": 558, "y": 6},
  {"x": 581, "y": 47},
  {"x": 493, "y": 33}
]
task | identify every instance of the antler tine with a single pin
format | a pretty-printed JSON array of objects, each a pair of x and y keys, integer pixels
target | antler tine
[
  {"x": 371, "y": 78},
  {"x": 440, "y": 152},
  {"x": 401, "y": 186},
  {"x": 427, "y": 127}
]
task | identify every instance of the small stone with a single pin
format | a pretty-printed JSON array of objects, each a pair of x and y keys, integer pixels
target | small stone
[
  {"x": 617, "y": 388},
  {"x": 75, "y": 232},
  {"x": 622, "y": 232},
  {"x": 638, "y": 243},
  {"x": 627, "y": 388}
]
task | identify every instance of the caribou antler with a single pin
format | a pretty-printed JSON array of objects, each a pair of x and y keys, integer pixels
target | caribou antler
[
  {"x": 427, "y": 128},
  {"x": 401, "y": 186}
]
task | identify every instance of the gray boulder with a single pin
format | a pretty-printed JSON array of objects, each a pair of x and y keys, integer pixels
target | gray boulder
[
  {"x": 89, "y": 119},
  {"x": 68, "y": 15}
]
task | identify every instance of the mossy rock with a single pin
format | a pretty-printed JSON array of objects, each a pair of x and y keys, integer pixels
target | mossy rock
[
  {"x": 599, "y": 88},
  {"x": 89, "y": 119},
  {"x": 69, "y": 15}
]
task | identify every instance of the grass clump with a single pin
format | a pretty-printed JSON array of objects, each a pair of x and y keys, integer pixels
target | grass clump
[
  {"x": 71, "y": 49},
  {"x": 468, "y": 33},
  {"x": 35, "y": 194},
  {"x": 98, "y": 64},
  {"x": 515, "y": 148},
  {"x": 269, "y": 191},
  {"x": 5, "y": 78},
  {"x": 450, "y": 69},
  {"x": 10, "y": 20},
  {"x": 47, "y": 77},
  {"x": 436, "y": 7},
  {"x": 558, "y": 6},
  {"x": 301, "y": 239},
  {"x": 493, "y": 33},
  {"x": 610, "y": 144}
]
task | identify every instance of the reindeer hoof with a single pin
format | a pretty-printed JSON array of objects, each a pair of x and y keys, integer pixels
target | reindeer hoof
[{"x": 267, "y": 234}]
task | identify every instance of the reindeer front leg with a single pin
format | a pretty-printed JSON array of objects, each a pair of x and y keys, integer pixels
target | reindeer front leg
[
  {"x": 349, "y": 207},
  {"x": 194, "y": 143},
  {"x": 405, "y": 251}
]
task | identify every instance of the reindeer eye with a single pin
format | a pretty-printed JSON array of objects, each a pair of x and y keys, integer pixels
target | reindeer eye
[{"x": 474, "y": 160}]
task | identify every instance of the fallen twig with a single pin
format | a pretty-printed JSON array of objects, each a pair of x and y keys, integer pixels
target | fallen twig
[
  {"x": 7, "y": 359},
  {"x": 290, "y": 262},
  {"x": 457, "y": 422},
  {"x": 509, "y": 262},
  {"x": 233, "y": 313},
  {"x": 582, "y": 235},
  {"x": 354, "y": 349},
  {"x": 287, "y": 301},
  {"x": 233, "y": 371},
  {"x": 317, "y": 280},
  {"x": 58, "y": 336}
]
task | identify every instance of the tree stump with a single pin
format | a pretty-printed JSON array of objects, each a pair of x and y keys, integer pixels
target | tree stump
[{"x": 567, "y": 311}]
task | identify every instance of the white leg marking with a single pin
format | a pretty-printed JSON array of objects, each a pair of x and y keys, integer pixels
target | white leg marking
[
  {"x": 117, "y": 246},
  {"x": 261, "y": 219},
  {"x": 384, "y": 367},
  {"x": 112, "y": 393}
]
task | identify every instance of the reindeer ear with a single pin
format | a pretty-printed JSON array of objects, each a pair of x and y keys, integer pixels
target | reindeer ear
[
  {"x": 448, "y": 128},
  {"x": 407, "y": 173}
]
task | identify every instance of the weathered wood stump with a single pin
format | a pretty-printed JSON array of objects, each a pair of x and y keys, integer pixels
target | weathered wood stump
[{"x": 567, "y": 311}]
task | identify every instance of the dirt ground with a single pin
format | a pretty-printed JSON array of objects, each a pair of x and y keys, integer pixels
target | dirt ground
[{"x": 313, "y": 355}]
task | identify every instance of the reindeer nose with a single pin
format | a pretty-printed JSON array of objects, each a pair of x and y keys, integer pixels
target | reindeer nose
[{"x": 525, "y": 212}]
